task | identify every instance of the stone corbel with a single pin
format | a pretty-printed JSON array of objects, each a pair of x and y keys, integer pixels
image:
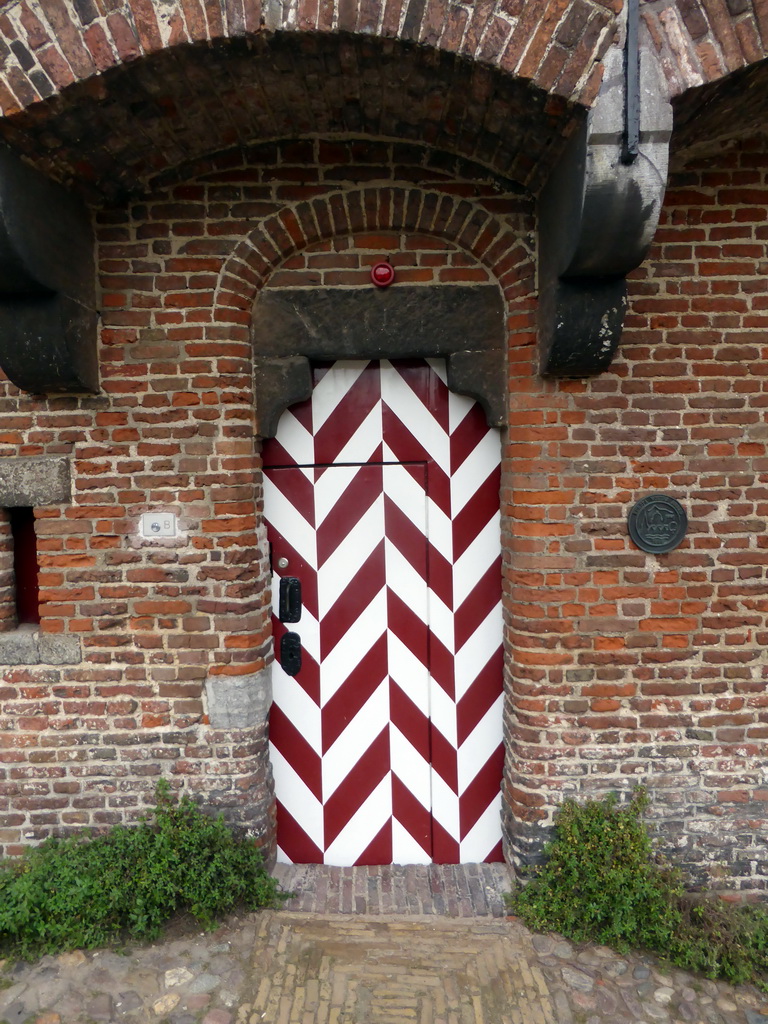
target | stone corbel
[
  {"x": 598, "y": 214},
  {"x": 48, "y": 317}
]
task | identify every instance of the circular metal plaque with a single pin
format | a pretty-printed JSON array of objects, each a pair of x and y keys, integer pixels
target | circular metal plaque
[{"x": 657, "y": 523}]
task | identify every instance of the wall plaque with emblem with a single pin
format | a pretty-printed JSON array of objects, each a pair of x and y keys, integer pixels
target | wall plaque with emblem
[{"x": 657, "y": 523}]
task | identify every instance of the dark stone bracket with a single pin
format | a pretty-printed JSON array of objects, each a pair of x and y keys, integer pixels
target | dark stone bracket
[
  {"x": 597, "y": 218},
  {"x": 463, "y": 324},
  {"x": 48, "y": 316}
]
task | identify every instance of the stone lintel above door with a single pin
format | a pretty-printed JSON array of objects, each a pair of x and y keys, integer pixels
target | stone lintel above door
[{"x": 465, "y": 325}]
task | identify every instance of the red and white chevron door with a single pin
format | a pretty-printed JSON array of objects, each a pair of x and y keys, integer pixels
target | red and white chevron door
[{"x": 382, "y": 506}]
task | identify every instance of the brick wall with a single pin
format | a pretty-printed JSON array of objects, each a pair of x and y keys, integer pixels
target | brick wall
[
  {"x": 345, "y": 262},
  {"x": 622, "y": 666},
  {"x": 628, "y": 667},
  {"x": 173, "y": 430}
]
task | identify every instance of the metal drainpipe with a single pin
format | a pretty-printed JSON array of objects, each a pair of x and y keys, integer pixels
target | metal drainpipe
[{"x": 631, "y": 145}]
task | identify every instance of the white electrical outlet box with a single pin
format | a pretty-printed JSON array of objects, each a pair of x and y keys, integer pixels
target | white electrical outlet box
[{"x": 158, "y": 524}]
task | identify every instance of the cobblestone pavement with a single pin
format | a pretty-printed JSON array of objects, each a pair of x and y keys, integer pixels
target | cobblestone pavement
[{"x": 416, "y": 945}]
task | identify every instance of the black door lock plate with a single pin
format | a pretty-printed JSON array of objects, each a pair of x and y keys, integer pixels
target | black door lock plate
[{"x": 290, "y": 653}]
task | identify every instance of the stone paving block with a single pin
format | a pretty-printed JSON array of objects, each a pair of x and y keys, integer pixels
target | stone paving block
[{"x": 16, "y": 1013}]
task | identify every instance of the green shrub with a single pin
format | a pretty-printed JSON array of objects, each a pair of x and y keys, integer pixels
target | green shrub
[
  {"x": 600, "y": 882},
  {"x": 83, "y": 892}
]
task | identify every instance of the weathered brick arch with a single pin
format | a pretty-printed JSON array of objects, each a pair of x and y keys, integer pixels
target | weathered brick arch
[
  {"x": 114, "y": 134},
  {"x": 499, "y": 245},
  {"x": 701, "y": 42},
  {"x": 555, "y": 46},
  {"x": 714, "y": 60},
  {"x": 107, "y": 98}
]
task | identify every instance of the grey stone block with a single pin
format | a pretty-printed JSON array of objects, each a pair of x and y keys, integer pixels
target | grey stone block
[
  {"x": 59, "y": 650},
  {"x": 238, "y": 702},
  {"x": 19, "y": 648},
  {"x": 16, "y": 1013},
  {"x": 35, "y": 480},
  {"x": 403, "y": 321},
  {"x": 30, "y": 647},
  {"x": 598, "y": 214}
]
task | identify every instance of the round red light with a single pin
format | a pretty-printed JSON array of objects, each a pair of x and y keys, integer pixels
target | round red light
[{"x": 382, "y": 274}]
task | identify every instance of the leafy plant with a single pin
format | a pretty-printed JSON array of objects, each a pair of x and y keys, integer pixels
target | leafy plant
[
  {"x": 601, "y": 882},
  {"x": 82, "y": 892}
]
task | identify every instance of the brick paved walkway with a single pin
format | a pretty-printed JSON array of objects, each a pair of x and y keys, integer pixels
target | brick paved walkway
[
  {"x": 425, "y": 970},
  {"x": 454, "y": 890},
  {"x": 393, "y": 945}
]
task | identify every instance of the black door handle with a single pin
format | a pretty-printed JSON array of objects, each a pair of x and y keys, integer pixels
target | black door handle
[{"x": 290, "y": 599}]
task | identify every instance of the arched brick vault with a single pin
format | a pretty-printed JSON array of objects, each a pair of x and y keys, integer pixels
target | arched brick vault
[
  {"x": 108, "y": 95},
  {"x": 733, "y": 107},
  {"x": 53, "y": 45},
  {"x": 115, "y": 134}
]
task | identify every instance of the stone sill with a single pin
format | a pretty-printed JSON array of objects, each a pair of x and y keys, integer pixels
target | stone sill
[{"x": 26, "y": 645}]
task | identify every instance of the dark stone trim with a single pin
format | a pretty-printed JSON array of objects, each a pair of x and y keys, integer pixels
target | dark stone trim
[
  {"x": 524, "y": 843},
  {"x": 34, "y": 480},
  {"x": 481, "y": 374},
  {"x": 580, "y": 324},
  {"x": 48, "y": 344},
  {"x": 48, "y": 316},
  {"x": 279, "y": 383},
  {"x": 463, "y": 324}
]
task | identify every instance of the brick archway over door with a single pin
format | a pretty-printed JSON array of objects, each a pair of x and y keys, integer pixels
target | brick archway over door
[{"x": 502, "y": 247}]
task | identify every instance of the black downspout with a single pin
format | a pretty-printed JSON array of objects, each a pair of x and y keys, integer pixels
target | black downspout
[{"x": 631, "y": 145}]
